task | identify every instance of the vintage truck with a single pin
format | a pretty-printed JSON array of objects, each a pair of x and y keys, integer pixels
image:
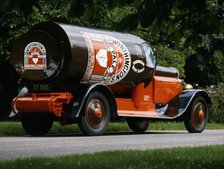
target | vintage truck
[{"x": 79, "y": 75}]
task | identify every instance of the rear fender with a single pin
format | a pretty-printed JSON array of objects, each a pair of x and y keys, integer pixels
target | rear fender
[
  {"x": 186, "y": 99},
  {"x": 81, "y": 96}
]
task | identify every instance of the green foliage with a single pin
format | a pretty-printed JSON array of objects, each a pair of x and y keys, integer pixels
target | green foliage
[
  {"x": 169, "y": 57},
  {"x": 217, "y": 65},
  {"x": 113, "y": 19},
  {"x": 192, "y": 27},
  {"x": 217, "y": 96},
  {"x": 11, "y": 129},
  {"x": 16, "y": 22},
  {"x": 193, "y": 30},
  {"x": 207, "y": 157},
  {"x": 14, "y": 128}
]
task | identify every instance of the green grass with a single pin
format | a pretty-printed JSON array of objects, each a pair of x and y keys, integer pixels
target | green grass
[
  {"x": 207, "y": 157},
  {"x": 15, "y": 128}
]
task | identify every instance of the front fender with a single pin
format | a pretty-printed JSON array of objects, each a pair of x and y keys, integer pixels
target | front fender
[{"x": 187, "y": 97}]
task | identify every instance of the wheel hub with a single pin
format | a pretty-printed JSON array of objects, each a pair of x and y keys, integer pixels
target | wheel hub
[
  {"x": 98, "y": 113},
  {"x": 201, "y": 115},
  {"x": 95, "y": 113}
]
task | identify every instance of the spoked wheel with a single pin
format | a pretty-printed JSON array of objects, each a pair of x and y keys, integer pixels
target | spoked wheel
[
  {"x": 137, "y": 124},
  {"x": 198, "y": 118},
  {"x": 37, "y": 124},
  {"x": 96, "y": 115}
]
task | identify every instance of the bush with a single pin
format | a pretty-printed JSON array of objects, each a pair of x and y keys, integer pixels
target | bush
[
  {"x": 217, "y": 110},
  {"x": 166, "y": 56}
]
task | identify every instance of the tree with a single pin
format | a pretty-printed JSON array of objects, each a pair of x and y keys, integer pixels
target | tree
[
  {"x": 16, "y": 17},
  {"x": 193, "y": 28}
]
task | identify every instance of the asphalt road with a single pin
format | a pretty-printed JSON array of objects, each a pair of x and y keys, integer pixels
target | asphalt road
[{"x": 56, "y": 145}]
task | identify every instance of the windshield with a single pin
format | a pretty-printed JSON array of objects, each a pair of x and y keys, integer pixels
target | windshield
[{"x": 149, "y": 55}]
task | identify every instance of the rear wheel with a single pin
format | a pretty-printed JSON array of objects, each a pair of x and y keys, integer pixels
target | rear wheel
[
  {"x": 96, "y": 115},
  {"x": 137, "y": 124},
  {"x": 198, "y": 116},
  {"x": 36, "y": 124}
]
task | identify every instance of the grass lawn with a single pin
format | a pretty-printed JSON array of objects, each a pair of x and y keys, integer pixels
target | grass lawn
[
  {"x": 15, "y": 128},
  {"x": 207, "y": 157}
]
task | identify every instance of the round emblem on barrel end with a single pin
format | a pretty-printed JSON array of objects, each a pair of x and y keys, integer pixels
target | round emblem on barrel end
[{"x": 35, "y": 56}]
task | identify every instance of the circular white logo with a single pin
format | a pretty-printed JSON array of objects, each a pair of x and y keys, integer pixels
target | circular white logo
[{"x": 109, "y": 60}]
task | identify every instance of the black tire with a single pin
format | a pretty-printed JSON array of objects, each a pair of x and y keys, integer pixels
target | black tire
[
  {"x": 96, "y": 115},
  {"x": 36, "y": 124},
  {"x": 198, "y": 116},
  {"x": 137, "y": 124}
]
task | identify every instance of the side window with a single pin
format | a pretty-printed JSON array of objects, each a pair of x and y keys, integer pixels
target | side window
[{"x": 149, "y": 55}]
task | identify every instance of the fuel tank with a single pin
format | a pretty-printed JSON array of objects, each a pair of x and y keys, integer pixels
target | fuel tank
[{"x": 58, "y": 53}]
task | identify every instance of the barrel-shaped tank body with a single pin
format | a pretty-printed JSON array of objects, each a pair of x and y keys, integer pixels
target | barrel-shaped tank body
[{"x": 58, "y": 53}]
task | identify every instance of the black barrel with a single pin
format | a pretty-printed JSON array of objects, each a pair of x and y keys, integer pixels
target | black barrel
[{"x": 58, "y": 53}]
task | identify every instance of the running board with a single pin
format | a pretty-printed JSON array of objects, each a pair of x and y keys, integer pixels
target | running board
[
  {"x": 127, "y": 108},
  {"x": 145, "y": 114}
]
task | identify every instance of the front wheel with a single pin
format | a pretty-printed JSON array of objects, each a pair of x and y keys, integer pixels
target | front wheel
[
  {"x": 137, "y": 124},
  {"x": 36, "y": 124},
  {"x": 96, "y": 115},
  {"x": 198, "y": 116}
]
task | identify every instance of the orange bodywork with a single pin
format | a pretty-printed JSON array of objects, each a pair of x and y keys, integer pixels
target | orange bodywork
[
  {"x": 142, "y": 104},
  {"x": 166, "y": 88},
  {"x": 161, "y": 90},
  {"x": 42, "y": 102}
]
